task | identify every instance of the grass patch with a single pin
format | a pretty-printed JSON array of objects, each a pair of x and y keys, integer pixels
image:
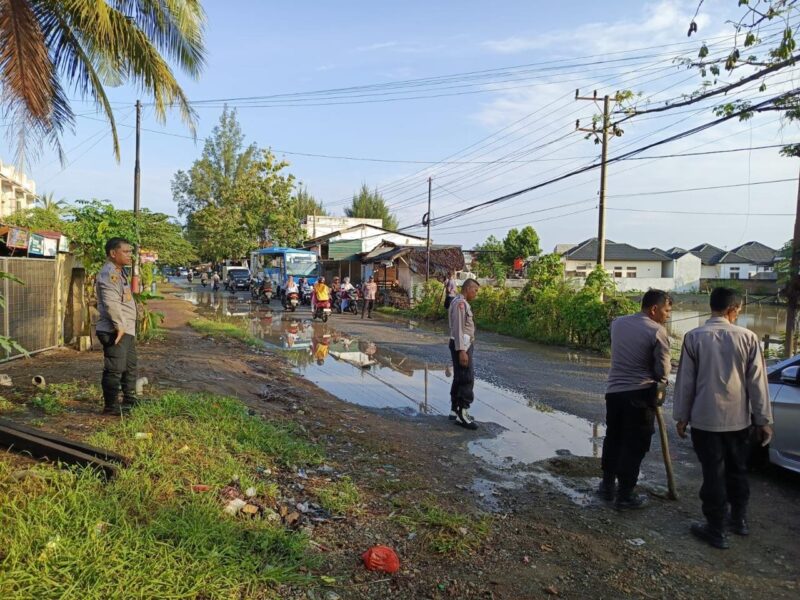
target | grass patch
[
  {"x": 221, "y": 328},
  {"x": 445, "y": 532},
  {"x": 340, "y": 496},
  {"x": 6, "y": 406},
  {"x": 391, "y": 310},
  {"x": 69, "y": 535},
  {"x": 52, "y": 398}
]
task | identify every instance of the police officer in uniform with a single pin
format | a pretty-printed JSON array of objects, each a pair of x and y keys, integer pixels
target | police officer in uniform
[
  {"x": 462, "y": 338},
  {"x": 116, "y": 327}
]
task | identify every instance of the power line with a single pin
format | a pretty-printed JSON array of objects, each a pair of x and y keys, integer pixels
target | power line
[
  {"x": 716, "y": 214},
  {"x": 701, "y": 189}
]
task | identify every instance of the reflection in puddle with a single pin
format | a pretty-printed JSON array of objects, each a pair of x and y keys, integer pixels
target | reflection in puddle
[{"x": 358, "y": 371}]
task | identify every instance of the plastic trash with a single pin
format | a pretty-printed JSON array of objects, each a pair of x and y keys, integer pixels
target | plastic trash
[{"x": 381, "y": 558}]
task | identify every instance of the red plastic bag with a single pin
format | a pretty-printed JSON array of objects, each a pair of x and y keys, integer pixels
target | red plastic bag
[{"x": 381, "y": 558}]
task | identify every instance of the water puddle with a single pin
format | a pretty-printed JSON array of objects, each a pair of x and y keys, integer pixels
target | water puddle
[{"x": 360, "y": 371}]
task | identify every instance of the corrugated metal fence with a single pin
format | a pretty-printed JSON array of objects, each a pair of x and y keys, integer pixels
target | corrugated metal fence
[{"x": 32, "y": 315}]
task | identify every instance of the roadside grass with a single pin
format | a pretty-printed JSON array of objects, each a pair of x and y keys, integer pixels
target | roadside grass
[
  {"x": 340, "y": 496},
  {"x": 52, "y": 398},
  {"x": 444, "y": 531},
  {"x": 221, "y": 328},
  {"x": 6, "y": 406},
  {"x": 67, "y": 534}
]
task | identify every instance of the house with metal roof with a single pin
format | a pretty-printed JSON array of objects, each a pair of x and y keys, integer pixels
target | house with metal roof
[
  {"x": 635, "y": 268},
  {"x": 752, "y": 260}
]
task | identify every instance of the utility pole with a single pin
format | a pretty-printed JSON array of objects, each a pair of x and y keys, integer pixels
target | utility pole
[
  {"x": 601, "y": 222},
  {"x": 136, "y": 183},
  {"x": 428, "y": 219},
  {"x": 793, "y": 288}
]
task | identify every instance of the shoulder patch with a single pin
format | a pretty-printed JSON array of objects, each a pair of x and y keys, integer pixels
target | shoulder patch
[{"x": 114, "y": 278}]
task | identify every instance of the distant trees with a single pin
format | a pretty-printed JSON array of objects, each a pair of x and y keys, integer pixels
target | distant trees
[
  {"x": 495, "y": 258},
  {"x": 305, "y": 204},
  {"x": 368, "y": 204},
  {"x": 234, "y": 196}
]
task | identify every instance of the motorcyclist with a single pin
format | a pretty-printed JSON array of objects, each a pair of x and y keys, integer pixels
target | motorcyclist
[
  {"x": 291, "y": 286},
  {"x": 215, "y": 281},
  {"x": 204, "y": 279},
  {"x": 346, "y": 293},
  {"x": 322, "y": 293}
]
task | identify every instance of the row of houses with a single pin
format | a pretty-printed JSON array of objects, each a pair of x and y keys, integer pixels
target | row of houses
[
  {"x": 17, "y": 192},
  {"x": 675, "y": 269},
  {"x": 360, "y": 248}
]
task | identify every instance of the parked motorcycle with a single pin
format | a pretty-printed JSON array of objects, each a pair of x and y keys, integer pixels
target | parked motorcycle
[
  {"x": 291, "y": 300},
  {"x": 322, "y": 310}
]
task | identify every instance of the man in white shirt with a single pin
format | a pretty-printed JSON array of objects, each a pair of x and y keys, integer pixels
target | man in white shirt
[{"x": 721, "y": 390}]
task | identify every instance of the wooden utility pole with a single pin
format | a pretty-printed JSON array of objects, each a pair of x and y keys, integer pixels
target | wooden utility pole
[
  {"x": 135, "y": 283},
  {"x": 601, "y": 221},
  {"x": 793, "y": 288},
  {"x": 428, "y": 219}
]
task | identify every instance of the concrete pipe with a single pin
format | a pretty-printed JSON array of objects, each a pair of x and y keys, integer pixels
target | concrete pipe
[{"x": 38, "y": 381}]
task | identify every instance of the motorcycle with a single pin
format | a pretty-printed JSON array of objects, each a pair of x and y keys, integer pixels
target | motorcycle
[
  {"x": 348, "y": 301},
  {"x": 305, "y": 297},
  {"x": 203, "y": 281},
  {"x": 190, "y": 277},
  {"x": 322, "y": 310},
  {"x": 263, "y": 292},
  {"x": 291, "y": 300}
]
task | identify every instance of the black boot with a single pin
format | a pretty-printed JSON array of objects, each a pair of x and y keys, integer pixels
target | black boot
[
  {"x": 607, "y": 488},
  {"x": 737, "y": 523},
  {"x": 627, "y": 500},
  {"x": 713, "y": 536}
]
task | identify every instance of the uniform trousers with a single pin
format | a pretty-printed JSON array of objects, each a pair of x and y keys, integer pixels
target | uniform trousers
[
  {"x": 461, "y": 390},
  {"x": 119, "y": 367}
]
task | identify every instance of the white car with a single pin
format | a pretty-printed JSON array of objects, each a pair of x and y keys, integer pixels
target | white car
[{"x": 784, "y": 390}]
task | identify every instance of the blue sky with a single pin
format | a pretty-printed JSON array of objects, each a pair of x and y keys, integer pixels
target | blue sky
[{"x": 261, "y": 48}]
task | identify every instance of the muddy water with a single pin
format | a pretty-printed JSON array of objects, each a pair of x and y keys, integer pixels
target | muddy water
[
  {"x": 360, "y": 371},
  {"x": 761, "y": 318}
]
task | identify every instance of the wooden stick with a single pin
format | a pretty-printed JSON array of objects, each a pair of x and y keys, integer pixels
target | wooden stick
[{"x": 662, "y": 429}]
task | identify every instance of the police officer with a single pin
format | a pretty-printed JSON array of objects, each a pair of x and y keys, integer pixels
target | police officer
[
  {"x": 116, "y": 327},
  {"x": 462, "y": 338}
]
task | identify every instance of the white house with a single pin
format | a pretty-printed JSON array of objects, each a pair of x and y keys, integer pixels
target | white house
[
  {"x": 743, "y": 262},
  {"x": 17, "y": 192},
  {"x": 317, "y": 226},
  {"x": 635, "y": 268}
]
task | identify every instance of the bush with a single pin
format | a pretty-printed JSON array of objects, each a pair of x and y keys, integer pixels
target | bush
[{"x": 430, "y": 304}]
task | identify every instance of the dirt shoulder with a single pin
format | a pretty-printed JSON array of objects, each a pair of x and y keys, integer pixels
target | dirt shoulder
[{"x": 535, "y": 544}]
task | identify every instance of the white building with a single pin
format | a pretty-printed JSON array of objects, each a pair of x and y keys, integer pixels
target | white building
[
  {"x": 634, "y": 268},
  {"x": 752, "y": 260},
  {"x": 17, "y": 192},
  {"x": 316, "y": 226}
]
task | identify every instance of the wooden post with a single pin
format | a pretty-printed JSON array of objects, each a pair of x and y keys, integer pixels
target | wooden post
[{"x": 662, "y": 430}]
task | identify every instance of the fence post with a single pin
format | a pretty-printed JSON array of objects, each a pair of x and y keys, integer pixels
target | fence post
[{"x": 6, "y": 318}]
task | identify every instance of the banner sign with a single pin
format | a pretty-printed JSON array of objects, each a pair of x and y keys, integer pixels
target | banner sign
[
  {"x": 50, "y": 247},
  {"x": 63, "y": 244},
  {"x": 36, "y": 245},
  {"x": 17, "y": 238},
  {"x": 148, "y": 256}
]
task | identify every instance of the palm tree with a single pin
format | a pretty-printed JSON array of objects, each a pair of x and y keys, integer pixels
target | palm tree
[
  {"x": 47, "y": 46},
  {"x": 49, "y": 203}
]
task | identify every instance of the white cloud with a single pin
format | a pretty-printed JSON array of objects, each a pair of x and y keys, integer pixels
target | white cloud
[
  {"x": 661, "y": 22},
  {"x": 377, "y": 46}
]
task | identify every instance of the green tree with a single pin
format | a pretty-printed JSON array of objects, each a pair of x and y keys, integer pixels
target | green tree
[
  {"x": 305, "y": 204},
  {"x": 37, "y": 218},
  {"x": 783, "y": 268},
  {"x": 546, "y": 271},
  {"x": 371, "y": 205},
  {"x": 235, "y": 197},
  {"x": 50, "y": 46},
  {"x": 490, "y": 262},
  {"x": 49, "y": 203},
  {"x": 520, "y": 244}
]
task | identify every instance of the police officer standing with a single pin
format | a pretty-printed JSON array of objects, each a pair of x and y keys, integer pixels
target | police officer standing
[
  {"x": 462, "y": 342},
  {"x": 640, "y": 364},
  {"x": 721, "y": 390},
  {"x": 116, "y": 327}
]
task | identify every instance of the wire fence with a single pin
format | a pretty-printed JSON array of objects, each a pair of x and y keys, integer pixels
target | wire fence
[{"x": 31, "y": 315}]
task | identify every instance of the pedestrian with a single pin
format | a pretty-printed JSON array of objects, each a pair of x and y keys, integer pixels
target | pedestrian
[
  {"x": 640, "y": 364},
  {"x": 450, "y": 289},
  {"x": 370, "y": 293},
  {"x": 721, "y": 390},
  {"x": 215, "y": 281},
  {"x": 462, "y": 344},
  {"x": 116, "y": 327}
]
